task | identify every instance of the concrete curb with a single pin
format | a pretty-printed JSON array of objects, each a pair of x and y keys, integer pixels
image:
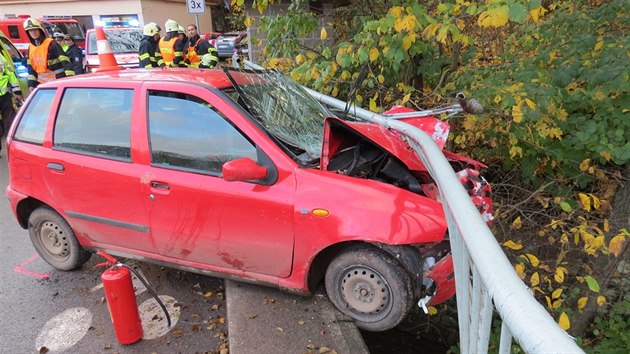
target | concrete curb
[{"x": 267, "y": 320}]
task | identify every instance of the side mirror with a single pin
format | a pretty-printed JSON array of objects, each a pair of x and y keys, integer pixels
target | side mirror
[{"x": 243, "y": 169}]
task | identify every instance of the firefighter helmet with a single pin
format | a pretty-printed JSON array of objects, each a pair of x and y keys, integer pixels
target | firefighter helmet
[
  {"x": 181, "y": 29},
  {"x": 32, "y": 23},
  {"x": 151, "y": 29},
  {"x": 171, "y": 26}
]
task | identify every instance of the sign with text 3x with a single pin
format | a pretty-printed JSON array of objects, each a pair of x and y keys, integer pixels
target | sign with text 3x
[{"x": 196, "y": 6}]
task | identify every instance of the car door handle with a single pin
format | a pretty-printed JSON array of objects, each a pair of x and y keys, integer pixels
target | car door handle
[
  {"x": 160, "y": 185},
  {"x": 55, "y": 166}
]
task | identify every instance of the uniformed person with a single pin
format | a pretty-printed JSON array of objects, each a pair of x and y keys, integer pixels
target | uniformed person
[
  {"x": 46, "y": 59},
  {"x": 150, "y": 56},
  {"x": 199, "y": 48},
  {"x": 171, "y": 46}
]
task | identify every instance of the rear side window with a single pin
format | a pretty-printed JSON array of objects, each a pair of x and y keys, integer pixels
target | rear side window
[
  {"x": 187, "y": 132},
  {"x": 95, "y": 122},
  {"x": 32, "y": 125}
]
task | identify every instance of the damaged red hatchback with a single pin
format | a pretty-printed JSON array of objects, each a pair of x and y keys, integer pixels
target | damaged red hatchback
[{"x": 235, "y": 174}]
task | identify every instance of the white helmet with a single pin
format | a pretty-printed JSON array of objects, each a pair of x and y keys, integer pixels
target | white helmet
[
  {"x": 151, "y": 29},
  {"x": 171, "y": 26}
]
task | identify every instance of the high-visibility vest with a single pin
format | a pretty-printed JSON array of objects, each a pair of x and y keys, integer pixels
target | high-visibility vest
[
  {"x": 38, "y": 57},
  {"x": 167, "y": 49},
  {"x": 193, "y": 56}
]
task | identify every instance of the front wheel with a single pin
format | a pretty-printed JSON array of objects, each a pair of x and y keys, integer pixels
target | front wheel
[
  {"x": 54, "y": 240},
  {"x": 370, "y": 286}
]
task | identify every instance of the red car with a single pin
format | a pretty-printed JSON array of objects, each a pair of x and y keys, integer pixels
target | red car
[{"x": 233, "y": 174}]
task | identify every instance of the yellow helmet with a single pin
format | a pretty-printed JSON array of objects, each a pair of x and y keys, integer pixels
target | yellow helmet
[
  {"x": 32, "y": 23},
  {"x": 180, "y": 29},
  {"x": 171, "y": 26},
  {"x": 151, "y": 29}
]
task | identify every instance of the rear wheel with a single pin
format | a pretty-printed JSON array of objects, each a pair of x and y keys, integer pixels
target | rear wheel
[
  {"x": 54, "y": 240},
  {"x": 370, "y": 286}
]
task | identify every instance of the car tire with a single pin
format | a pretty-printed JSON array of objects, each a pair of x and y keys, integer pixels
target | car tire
[
  {"x": 54, "y": 240},
  {"x": 370, "y": 286}
]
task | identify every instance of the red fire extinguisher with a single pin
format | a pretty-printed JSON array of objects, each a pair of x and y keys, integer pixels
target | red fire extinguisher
[{"x": 121, "y": 300}]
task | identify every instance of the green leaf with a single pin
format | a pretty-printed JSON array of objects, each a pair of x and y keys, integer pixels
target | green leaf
[
  {"x": 518, "y": 13},
  {"x": 566, "y": 207},
  {"x": 592, "y": 283}
]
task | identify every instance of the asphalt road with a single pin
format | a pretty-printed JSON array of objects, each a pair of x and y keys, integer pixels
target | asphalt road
[{"x": 46, "y": 310}]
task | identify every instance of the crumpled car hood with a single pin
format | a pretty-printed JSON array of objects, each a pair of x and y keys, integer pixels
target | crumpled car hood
[{"x": 389, "y": 140}]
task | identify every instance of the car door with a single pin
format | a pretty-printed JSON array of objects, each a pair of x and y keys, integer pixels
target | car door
[
  {"x": 197, "y": 218},
  {"x": 91, "y": 173}
]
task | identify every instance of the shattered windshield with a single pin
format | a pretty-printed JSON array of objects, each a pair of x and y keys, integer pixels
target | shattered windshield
[{"x": 284, "y": 109}]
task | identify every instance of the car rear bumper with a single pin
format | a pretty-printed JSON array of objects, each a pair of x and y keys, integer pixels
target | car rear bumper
[{"x": 15, "y": 198}]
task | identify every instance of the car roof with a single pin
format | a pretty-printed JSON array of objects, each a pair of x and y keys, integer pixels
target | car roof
[{"x": 212, "y": 77}]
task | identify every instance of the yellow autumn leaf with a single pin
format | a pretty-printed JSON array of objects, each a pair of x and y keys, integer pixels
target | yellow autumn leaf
[
  {"x": 249, "y": 21},
  {"x": 596, "y": 202},
  {"x": 535, "y": 279},
  {"x": 599, "y": 45},
  {"x": 323, "y": 34},
  {"x": 335, "y": 91},
  {"x": 517, "y": 223},
  {"x": 496, "y": 17},
  {"x": 396, "y": 11},
  {"x": 432, "y": 310},
  {"x": 586, "y": 201},
  {"x": 559, "y": 276},
  {"x": 537, "y": 13},
  {"x": 556, "y": 304},
  {"x": 601, "y": 300},
  {"x": 520, "y": 270},
  {"x": 616, "y": 244},
  {"x": 556, "y": 293},
  {"x": 373, "y": 104},
  {"x": 564, "y": 322},
  {"x": 511, "y": 245},
  {"x": 606, "y": 155},
  {"x": 299, "y": 59},
  {"x": 430, "y": 30},
  {"x": 584, "y": 165},
  {"x": 582, "y": 302},
  {"x": 532, "y": 259},
  {"x": 405, "y": 99},
  {"x": 381, "y": 79},
  {"x": 406, "y": 43},
  {"x": 606, "y": 226},
  {"x": 373, "y": 54},
  {"x": 497, "y": 99},
  {"x": 530, "y": 103},
  {"x": 516, "y": 150},
  {"x": 517, "y": 114},
  {"x": 548, "y": 299}
]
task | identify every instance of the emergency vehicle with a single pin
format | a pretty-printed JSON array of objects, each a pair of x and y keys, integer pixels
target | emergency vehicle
[{"x": 14, "y": 29}]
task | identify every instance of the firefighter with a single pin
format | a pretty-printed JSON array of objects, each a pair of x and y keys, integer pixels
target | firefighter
[
  {"x": 200, "y": 48},
  {"x": 75, "y": 54},
  {"x": 171, "y": 47},
  {"x": 9, "y": 86},
  {"x": 150, "y": 56},
  {"x": 46, "y": 59}
]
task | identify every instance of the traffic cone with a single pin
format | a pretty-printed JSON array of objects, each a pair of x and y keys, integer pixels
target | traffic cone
[{"x": 106, "y": 58}]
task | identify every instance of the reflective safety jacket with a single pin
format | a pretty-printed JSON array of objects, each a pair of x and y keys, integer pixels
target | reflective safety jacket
[
  {"x": 172, "y": 50},
  {"x": 47, "y": 61},
  {"x": 8, "y": 82}
]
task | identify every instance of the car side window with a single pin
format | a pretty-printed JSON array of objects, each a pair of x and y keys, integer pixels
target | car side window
[
  {"x": 187, "y": 132},
  {"x": 95, "y": 121},
  {"x": 32, "y": 125}
]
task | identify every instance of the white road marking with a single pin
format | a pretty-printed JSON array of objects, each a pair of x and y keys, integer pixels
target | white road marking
[
  {"x": 64, "y": 330},
  {"x": 154, "y": 323}
]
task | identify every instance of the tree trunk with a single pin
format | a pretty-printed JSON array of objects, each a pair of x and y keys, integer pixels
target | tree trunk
[{"x": 606, "y": 266}]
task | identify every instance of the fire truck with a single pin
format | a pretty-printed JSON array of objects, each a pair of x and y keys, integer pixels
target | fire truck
[{"x": 14, "y": 30}]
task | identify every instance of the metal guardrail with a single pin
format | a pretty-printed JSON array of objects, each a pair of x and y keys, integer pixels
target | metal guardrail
[{"x": 484, "y": 277}]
